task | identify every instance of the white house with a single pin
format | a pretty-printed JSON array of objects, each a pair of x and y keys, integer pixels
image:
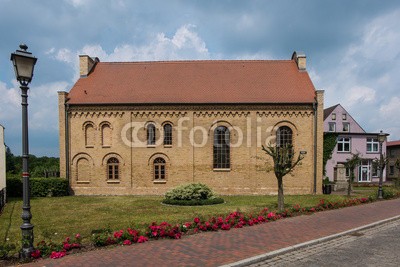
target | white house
[{"x": 2, "y": 168}]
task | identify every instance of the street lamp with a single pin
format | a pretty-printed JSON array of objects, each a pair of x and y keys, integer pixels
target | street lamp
[
  {"x": 24, "y": 63},
  {"x": 381, "y": 139}
]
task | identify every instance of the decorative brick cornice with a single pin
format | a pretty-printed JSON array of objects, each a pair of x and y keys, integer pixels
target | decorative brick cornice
[
  {"x": 159, "y": 114},
  {"x": 96, "y": 114},
  {"x": 221, "y": 113},
  {"x": 283, "y": 113}
]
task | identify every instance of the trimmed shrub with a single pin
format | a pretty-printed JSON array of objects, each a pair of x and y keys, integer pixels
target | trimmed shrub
[
  {"x": 194, "y": 202},
  {"x": 195, "y": 194},
  {"x": 190, "y": 192},
  {"x": 40, "y": 187},
  {"x": 49, "y": 187}
]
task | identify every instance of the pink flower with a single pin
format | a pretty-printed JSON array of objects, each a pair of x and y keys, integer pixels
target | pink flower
[
  {"x": 67, "y": 240},
  {"x": 77, "y": 236},
  {"x": 57, "y": 254},
  {"x": 142, "y": 239},
  {"x": 127, "y": 243},
  {"x": 271, "y": 215},
  {"x": 67, "y": 246}
]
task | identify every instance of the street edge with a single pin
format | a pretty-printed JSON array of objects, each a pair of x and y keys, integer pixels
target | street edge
[{"x": 278, "y": 252}]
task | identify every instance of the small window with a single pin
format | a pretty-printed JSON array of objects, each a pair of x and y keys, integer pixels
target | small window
[
  {"x": 391, "y": 170},
  {"x": 348, "y": 171},
  {"x": 372, "y": 145},
  {"x": 221, "y": 150},
  {"x": 167, "y": 134},
  {"x": 333, "y": 117},
  {"x": 343, "y": 144},
  {"x": 375, "y": 170},
  {"x": 346, "y": 127},
  {"x": 113, "y": 169},
  {"x": 332, "y": 127},
  {"x": 159, "y": 169},
  {"x": 344, "y": 116},
  {"x": 151, "y": 134}
]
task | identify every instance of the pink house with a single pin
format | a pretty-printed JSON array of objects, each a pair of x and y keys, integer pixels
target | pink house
[{"x": 352, "y": 139}]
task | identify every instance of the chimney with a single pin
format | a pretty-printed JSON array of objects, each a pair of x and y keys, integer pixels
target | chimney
[
  {"x": 86, "y": 65},
  {"x": 300, "y": 59}
]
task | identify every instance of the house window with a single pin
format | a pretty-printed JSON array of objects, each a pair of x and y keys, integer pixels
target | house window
[
  {"x": 112, "y": 169},
  {"x": 346, "y": 127},
  {"x": 284, "y": 136},
  {"x": 106, "y": 135},
  {"x": 391, "y": 170},
  {"x": 151, "y": 134},
  {"x": 332, "y": 127},
  {"x": 167, "y": 134},
  {"x": 372, "y": 145},
  {"x": 344, "y": 116},
  {"x": 159, "y": 169},
  {"x": 221, "y": 150},
  {"x": 343, "y": 144},
  {"x": 348, "y": 171},
  {"x": 333, "y": 116},
  {"x": 375, "y": 170}
]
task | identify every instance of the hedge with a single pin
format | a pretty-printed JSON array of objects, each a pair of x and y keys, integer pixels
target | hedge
[{"x": 40, "y": 187}]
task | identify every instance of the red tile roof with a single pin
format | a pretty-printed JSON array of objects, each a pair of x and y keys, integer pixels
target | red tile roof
[
  {"x": 393, "y": 143},
  {"x": 213, "y": 81}
]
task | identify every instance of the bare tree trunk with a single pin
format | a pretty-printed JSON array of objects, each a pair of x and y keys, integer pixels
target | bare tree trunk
[
  {"x": 350, "y": 182},
  {"x": 281, "y": 200}
]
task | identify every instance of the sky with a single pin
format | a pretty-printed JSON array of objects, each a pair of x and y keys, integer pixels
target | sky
[{"x": 352, "y": 49}]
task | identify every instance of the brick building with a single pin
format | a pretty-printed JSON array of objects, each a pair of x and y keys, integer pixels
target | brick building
[{"x": 143, "y": 128}]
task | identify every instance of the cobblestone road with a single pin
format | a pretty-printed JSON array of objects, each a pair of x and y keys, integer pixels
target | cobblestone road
[{"x": 378, "y": 246}]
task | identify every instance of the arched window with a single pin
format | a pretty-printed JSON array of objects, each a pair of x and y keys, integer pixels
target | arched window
[
  {"x": 284, "y": 136},
  {"x": 159, "y": 169},
  {"x": 221, "y": 151},
  {"x": 151, "y": 134},
  {"x": 82, "y": 170},
  {"x": 112, "y": 169},
  {"x": 167, "y": 134}
]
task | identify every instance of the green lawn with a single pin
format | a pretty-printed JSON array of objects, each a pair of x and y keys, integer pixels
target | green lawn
[{"x": 58, "y": 217}]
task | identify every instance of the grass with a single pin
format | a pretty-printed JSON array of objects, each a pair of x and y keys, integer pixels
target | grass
[{"x": 58, "y": 217}]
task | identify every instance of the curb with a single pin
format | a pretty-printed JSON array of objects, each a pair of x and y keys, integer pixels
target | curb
[{"x": 278, "y": 252}]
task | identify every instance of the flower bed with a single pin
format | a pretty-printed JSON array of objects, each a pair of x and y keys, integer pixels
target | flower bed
[{"x": 105, "y": 237}]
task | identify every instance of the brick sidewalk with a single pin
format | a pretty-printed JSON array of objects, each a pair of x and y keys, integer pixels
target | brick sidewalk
[{"x": 223, "y": 247}]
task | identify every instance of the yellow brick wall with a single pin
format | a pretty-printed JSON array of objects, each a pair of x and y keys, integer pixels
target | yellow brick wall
[{"x": 250, "y": 127}]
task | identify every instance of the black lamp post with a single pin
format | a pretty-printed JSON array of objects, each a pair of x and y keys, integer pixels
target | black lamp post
[
  {"x": 381, "y": 139},
  {"x": 24, "y": 63}
]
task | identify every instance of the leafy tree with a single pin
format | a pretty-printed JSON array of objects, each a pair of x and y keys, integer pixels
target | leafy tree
[
  {"x": 351, "y": 164},
  {"x": 284, "y": 163},
  {"x": 10, "y": 165}
]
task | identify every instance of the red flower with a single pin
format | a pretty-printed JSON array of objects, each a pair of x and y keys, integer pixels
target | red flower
[
  {"x": 142, "y": 239},
  {"x": 57, "y": 254},
  {"x": 67, "y": 246},
  {"x": 127, "y": 242},
  {"x": 196, "y": 220},
  {"x": 35, "y": 254}
]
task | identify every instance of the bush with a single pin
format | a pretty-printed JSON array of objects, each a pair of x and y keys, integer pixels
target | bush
[
  {"x": 40, "y": 187},
  {"x": 194, "y": 202},
  {"x": 190, "y": 192}
]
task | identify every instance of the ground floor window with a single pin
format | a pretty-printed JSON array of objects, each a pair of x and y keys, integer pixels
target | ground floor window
[
  {"x": 159, "y": 169},
  {"x": 113, "y": 169}
]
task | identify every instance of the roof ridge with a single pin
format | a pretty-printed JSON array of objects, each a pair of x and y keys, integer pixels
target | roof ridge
[{"x": 236, "y": 61}]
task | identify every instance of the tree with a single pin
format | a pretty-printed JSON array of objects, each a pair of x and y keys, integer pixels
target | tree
[
  {"x": 10, "y": 164},
  {"x": 284, "y": 163},
  {"x": 351, "y": 164}
]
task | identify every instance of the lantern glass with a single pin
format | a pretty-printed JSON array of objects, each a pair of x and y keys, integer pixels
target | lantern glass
[{"x": 24, "y": 63}]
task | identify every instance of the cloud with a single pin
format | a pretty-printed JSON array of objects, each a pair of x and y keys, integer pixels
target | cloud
[{"x": 359, "y": 95}]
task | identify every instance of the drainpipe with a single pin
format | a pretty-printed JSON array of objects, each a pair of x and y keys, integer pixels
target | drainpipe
[
  {"x": 67, "y": 144},
  {"x": 315, "y": 106}
]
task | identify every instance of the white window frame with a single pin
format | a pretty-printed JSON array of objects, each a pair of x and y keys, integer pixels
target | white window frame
[
  {"x": 343, "y": 141},
  {"x": 333, "y": 129},
  {"x": 344, "y": 127},
  {"x": 371, "y": 144}
]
